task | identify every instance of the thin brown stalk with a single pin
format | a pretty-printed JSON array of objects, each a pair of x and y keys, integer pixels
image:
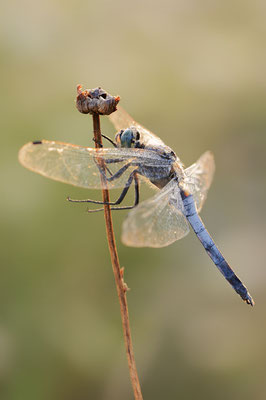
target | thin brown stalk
[{"x": 118, "y": 272}]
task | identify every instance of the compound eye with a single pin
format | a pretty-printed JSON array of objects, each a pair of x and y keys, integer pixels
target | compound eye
[{"x": 127, "y": 138}]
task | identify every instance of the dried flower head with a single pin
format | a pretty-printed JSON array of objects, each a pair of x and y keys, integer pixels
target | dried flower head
[{"x": 95, "y": 101}]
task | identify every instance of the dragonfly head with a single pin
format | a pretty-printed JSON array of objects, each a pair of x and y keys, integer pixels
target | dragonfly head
[{"x": 127, "y": 138}]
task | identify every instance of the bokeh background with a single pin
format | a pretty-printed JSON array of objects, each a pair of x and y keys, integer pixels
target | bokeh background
[{"x": 194, "y": 73}]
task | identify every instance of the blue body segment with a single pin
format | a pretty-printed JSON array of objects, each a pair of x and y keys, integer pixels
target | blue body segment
[{"x": 212, "y": 250}]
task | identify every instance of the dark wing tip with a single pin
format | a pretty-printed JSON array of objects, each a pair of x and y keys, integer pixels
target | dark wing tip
[{"x": 37, "y": 142}]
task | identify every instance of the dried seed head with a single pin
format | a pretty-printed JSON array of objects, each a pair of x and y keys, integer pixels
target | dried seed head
[{"x": 95, "y": 101}]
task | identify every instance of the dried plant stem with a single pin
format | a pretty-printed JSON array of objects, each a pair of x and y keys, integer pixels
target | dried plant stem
[{"x": 118, "y": 273}]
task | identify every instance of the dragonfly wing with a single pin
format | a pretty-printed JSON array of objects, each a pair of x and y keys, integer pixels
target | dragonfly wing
[
  {"x": 79, "y": 166},
  {"x": 199, "y": 178},
  {"x": 122, "y": 120},
  {"x": 156, "y": 222}
]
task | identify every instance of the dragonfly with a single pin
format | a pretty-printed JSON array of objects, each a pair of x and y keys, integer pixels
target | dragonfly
[{"x": 138, "y": 155}]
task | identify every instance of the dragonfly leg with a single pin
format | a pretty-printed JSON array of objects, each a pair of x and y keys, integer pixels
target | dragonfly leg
[
  {"x": 118, "y": 201},
  {"x": 136, "y": 202},
  {"x": 116, "y": 175},
  {"x": 98, "y": 143},
  {"x": 107, "y": 138},
  {"x": 112, "y": 176},
  {"x": 107, "y": 169}
]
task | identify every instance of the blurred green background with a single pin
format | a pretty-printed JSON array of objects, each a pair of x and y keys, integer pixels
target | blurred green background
[{"x": 194, "y": 73}]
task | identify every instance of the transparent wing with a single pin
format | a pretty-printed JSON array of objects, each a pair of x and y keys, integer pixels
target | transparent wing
[
  {"x": 156, "y": 222},
  {"x": 79, "y": 165},
  {"x": 199, "y": 178},
  {"x": 122, "y": 120}
]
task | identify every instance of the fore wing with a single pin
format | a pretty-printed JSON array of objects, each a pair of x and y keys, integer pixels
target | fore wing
[
  {"x": 79, "y": 166},
  {"x": 122, "y": 120},
  {"x": 156, "y": 222},
  {"x": 199, "y": 178}
]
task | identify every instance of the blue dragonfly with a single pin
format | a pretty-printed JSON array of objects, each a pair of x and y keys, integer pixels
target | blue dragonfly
[{"x": 137, "y": 154}]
